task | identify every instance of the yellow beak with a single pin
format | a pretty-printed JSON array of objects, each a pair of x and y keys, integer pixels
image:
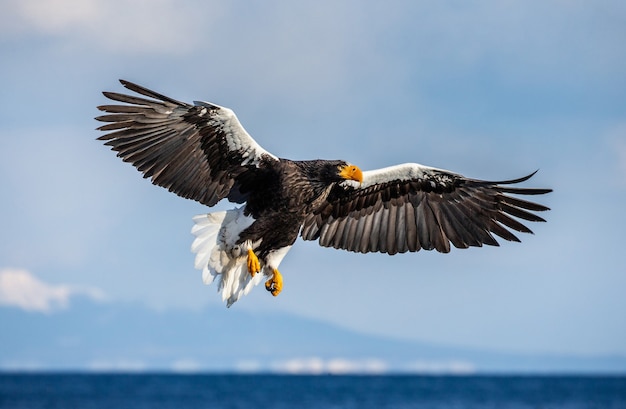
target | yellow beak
[{"x": 351, "y": 172}]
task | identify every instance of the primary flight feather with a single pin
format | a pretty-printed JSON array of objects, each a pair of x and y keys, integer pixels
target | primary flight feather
[{"x": 202, "y": 152}]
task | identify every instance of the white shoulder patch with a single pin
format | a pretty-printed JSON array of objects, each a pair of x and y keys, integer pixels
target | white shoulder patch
[
  {"x": 405, "y": 171},
  {"x": 237, "y": 138}
]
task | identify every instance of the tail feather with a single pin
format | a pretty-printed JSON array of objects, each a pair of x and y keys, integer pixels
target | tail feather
[
  {"x": 216, "y": 234},
  {"x": 236, "y": 282},
  {"x": 206, "y": 230}
]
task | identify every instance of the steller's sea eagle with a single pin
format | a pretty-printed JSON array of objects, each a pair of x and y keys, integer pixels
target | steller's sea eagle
[{"x": 202, "y": 152}]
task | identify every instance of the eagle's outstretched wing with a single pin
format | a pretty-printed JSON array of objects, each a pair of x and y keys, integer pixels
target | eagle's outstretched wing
[
  {"x": 195, "y": 151},
  {"x": 411, "y": 207}
]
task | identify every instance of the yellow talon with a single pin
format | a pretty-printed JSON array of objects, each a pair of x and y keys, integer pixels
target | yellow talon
[
  {"x": 275, "y": 284},
  {"x": 253, "y": 263}
]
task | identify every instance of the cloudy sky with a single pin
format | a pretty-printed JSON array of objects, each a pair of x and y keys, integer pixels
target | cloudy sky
[{"x": 490, "y": 89}]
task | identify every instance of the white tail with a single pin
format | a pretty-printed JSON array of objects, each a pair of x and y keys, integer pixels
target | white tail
[{"x": 218, "y": 256}]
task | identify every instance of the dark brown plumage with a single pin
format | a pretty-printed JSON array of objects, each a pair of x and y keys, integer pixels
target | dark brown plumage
[
  {"x": 399, "y": 216},
  {"x": 202, "y": 152}
]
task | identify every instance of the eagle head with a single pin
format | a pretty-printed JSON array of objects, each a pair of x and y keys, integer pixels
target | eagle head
[
  {"x": 349, "y": 171},
  {"x": 323, "y": 173}
]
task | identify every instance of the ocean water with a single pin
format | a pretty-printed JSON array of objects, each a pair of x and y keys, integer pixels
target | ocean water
[{"x": 142, "y": 391}]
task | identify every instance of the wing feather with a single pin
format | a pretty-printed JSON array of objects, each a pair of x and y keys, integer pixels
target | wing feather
[
  {"x": 411, "y": 228},
  {"x": 423, "y": 216},
  {"x": 439, "y": 241},
  {"x": 391, "y": 224},
  {"x": 400, "y": 237},
  {"x": 341, "y": 224},
  {"x": 411, "y": 207},
  {"x": 196, "y": 151},
  {"x": 375, "y": 233},
  {"x": 328, "y": 233},
  {"x": 468, "y": 224},
  {"x": 453, "y": 229},
  {"x": 383, "y": 226}
]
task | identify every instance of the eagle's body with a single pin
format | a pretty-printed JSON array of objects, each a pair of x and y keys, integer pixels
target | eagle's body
[
  {"x": 281, "y": 197},
  {"x": 202, "y": 152}
]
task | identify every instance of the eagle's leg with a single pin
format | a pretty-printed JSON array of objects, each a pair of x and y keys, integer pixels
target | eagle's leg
[
  {"x": 275, "y": 284},
  {"x": 253, "y": 263}
]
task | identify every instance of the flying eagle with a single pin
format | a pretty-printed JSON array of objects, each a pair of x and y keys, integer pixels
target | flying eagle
[{"x": 202, "y": 152}]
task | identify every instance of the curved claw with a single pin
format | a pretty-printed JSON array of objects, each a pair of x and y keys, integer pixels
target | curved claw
[
  {"x": 254, "y": 266},
  {"x": 275, "y": 284}
]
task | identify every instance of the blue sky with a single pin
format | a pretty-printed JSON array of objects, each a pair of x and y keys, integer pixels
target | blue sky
[{"x": 493, "y": 90}]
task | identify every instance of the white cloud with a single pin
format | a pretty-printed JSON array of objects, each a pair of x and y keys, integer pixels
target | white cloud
[
  {"x": 25, "y": 365},
  {"x": 452, "y": 367},
  {"x": 116, "y": 25},
  {"x": 316, "y": 366},
  {"x": 343, "y": 366},
  {"x": 340, "y": 366},
  {"x": 300, "y": 366},
  {"x": 123, "y": 365},
  {"x": 186, "y": 365},
  {"x": 250, "y": 366},
  {"x": 19, "y": 288},
  {"x": 54, "y": 16}
]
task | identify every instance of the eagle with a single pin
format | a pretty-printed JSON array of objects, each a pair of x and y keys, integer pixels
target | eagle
[{"x": 201, "y": 151}]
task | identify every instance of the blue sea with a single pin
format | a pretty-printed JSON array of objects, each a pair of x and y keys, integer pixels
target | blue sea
[{"x": 142, "y": 391}]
